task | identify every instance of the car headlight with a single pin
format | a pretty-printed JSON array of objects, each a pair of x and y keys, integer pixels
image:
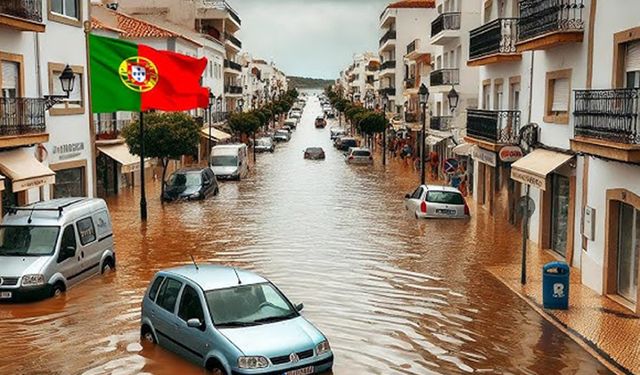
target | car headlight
[
  {"x": 33, "y": 280},
  {"x": 323, "y": 347},
  {"x": 252, "y": 362},
  {"x": 195, "y": 195}
]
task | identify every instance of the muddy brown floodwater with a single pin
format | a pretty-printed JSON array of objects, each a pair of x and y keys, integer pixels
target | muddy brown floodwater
[{"x": 393, "y": 295}]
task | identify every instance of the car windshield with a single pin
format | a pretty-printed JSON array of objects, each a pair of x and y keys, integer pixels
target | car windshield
[
  {"x": 282, "y": 132},
  {"x": 246, "y": 305},
  {"x": 263, "y": 142},
  {"x": 224, "y": 161},
  {"x": 361, "y": 153},
  {"x": 447, "y": 197},
  {"x": 349, "y": 142},
  {"x": 28, "y": 240},
  {"x": 314, "y": 150},
  {"x": 185, "y": 179}
]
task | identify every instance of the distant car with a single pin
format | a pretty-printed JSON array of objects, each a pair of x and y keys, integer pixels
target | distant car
[
  {"x": 231, "y": 321},
  {"x": 287, "y": 128},
  {"x": 282, "y": 135},
  {"x": 357, "y": 155},
  {"x": 292, "y": 123},
  {"x": 346, "y": 142},
  {"x": 190, "y": 184},
  {"x": 265, "y": 144},
  {"x": 314, "y": 153},
  {"x": 429, "y": 201},
  {"x": 337, "y": 132},
  {"x": 294, "y": 114},
  {"x": 320, "y": 122},
  {"x": 330, "y": 114}
]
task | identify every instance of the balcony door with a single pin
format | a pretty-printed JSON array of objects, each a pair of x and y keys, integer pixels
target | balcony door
[
  {"x": 10, "y": 79},
  {"x": 628, "y": 251},
  {"x": 632, "y": 65}
]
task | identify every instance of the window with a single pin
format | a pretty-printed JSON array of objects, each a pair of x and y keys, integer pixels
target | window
[
  {"x": 86, "y": 231},
  {"x": 632, "y": 65},
  {"x": 486, "y": 95},
  {"x": 66, "y": 8},
  {"x": 190, "y": 305},
  {"x": 9, "y": 77},
  {"x": 558, "y": 97},
  {"x": 498, "y": 98},
  {"x": 417, "y": 194},
  {"x": 628, "y": 252},
  {"x": 74, "y": 105},
  {"x": 514, "y": 93},
  {"x": 445, "y": 197},
  {"x": 168, "y": 294},
  {"x": 153, "y": 291},
  {"x": 69, "y": 183},
  {"x": 67, "y": 244}
]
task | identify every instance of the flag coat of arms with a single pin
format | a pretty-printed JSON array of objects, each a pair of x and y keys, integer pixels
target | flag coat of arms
[{"x": 133, "y": 77}]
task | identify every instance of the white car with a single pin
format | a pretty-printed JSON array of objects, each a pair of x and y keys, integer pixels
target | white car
[
  {"x": 432, "y": 202},
  {"x": 358, "y": 155}
]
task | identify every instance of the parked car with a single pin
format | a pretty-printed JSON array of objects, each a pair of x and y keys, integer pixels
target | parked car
[
  {"x": 282, "y": 135},
  {"x": 231, "y": 321},
  {"x": 337, "y": 132},
  {"x": 320, "y": 122},
  {"x": 265, "y": 144},
  {"x": 47, "y": 247},
  {"x": 357, "y": 155},
  {"x": 230, "y": 161},
  {"x": 429, "y": 201},
  {"x": 190, "y": 184},
  {"x": 346, "y": 142},
  {"x": 295, "y": 114},
  {"x": 287, "y": 128},
  {"x": 330, "y": 113},
  {"x": 314, "y": 153},
  {"x": 292, "y": 123}
]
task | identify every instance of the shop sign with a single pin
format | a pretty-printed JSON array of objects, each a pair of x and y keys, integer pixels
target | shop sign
[
  {"x": 69, "y": 150},
  {"x": 509, "y": 154},
  {"x": 33, "y": 183},
  {"x": 484, "y": 156},
  {"x": 529, "y": 179}
]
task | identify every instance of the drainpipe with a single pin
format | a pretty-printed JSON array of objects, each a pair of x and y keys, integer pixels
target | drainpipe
[{"x": 38, "y": 94}]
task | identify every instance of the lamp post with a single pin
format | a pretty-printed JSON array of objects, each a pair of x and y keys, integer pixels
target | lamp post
[
  {"x": 424, "y": 97},
  {"x": 385, "y": 102},
  {"x": 212, "y": 100},
  {"x": 67, "y": 81},
  {"x": 218, "y": 107},
  {"x": 453, "y": 99}
]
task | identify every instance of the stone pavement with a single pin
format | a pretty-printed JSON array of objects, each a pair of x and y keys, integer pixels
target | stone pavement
[{"x": 601, "y": 326}]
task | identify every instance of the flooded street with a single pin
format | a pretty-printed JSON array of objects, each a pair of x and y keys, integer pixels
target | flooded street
[{"x": 392, "y": 294}]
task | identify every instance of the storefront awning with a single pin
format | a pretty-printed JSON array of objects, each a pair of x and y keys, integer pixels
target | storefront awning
[
  {"x": 534, "y": 168},
  {"x": 120, "y": 153},
  {"x": 217, "y": 135},
  {"x": 463, "y": 149},
  {"x": 432, "y": 140},
  {"x": 24, "y": 170}
]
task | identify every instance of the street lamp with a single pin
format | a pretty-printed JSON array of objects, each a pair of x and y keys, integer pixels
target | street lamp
[
  {"x": 385, "y": 102},
  {"x": 67, "y": 81},
  {"x": 424, "y": 97},
  {"x": 212, "y": 100},
  {"x": 453, "y": 99},
  {"x": 218, "y": 107}
]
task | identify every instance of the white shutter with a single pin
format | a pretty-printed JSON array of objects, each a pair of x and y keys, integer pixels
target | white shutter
[
  {"x": 9, "y": 75},
  {"x": 560, "y": 95},
  {"x": 632, "y": 60}
]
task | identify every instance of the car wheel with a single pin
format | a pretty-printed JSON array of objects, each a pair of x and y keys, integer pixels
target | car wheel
[
  {"x": 57, "y": 289},
  {"x": 214, "y": 367},
  {"x": 216, "y": 192},
  {"x": 107, "y": 264},
  {"x": 148, "y": 336},
  {"x": 416, "y": 215}
]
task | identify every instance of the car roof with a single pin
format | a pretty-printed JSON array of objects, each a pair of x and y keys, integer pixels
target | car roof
[
  {"x": 442, "y": 188},
  {"x": 359, "y": 149},
  {"x": 71, "y": 209},
  {"x": 212, "y": 277},
  {"x": 190, "y": 169}
]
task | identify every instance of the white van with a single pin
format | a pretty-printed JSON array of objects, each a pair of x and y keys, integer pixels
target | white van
[
  {"x": 47, "y": 247},
  {"x": 230, "y": 161}
]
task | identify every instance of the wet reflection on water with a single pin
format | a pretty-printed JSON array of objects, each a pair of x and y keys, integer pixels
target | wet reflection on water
[{"x": 394, "y": 295}]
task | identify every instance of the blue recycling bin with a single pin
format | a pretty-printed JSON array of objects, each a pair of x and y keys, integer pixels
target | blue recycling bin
[{"x": 555, "y": 285}]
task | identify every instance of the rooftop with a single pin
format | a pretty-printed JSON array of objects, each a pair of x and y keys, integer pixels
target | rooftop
[
  {"x": 211, "y": 277},
  {"x": 413, "y": 4}
]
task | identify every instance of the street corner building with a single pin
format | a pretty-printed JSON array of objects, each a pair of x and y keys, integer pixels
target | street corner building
[{"x": 133, "y": 77}]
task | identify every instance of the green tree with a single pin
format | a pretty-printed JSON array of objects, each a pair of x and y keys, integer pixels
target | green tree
[
  {"x": 372, "y": 122},
  {"x": 167, "y": 136},
  {"x": 244, "y": 123}
]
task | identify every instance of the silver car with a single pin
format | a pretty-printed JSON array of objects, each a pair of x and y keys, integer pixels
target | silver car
[
  {"x": 358, "y": 155},
  {"x": 433, "y": 202}
]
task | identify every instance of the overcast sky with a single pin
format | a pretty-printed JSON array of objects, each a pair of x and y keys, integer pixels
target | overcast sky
[{"x": 310, "y": 38}]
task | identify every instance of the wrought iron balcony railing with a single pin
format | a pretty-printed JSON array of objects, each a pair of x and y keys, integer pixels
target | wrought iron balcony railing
[
  {"x": 412, "y": 46},
  {"x": 391, "y": 64},
  {"x": 231, "y": 89},
  {"x": 26, "y": 9},
  {"x": 224, "y": 5},
  {"x": 445, "y": 21},
  {"x": 109, "y": 128},
  {"x": 232, "y": 65},
  {"x": 389, "y": 35},
  {"x": 610, "y": 115},
  {"x": 440, "y": 122},
  {"x": 412, "y": 117},
  {"x": 497, "y": 36},
  {"x": 449, "y": 76},
  {"x": 235, "y": 41},
  {"x": 390, "y": 91},
  {"x": 22, "y": 116},
  {"x": 540, "y": 17},
  {"x": 498, "y": 127}
]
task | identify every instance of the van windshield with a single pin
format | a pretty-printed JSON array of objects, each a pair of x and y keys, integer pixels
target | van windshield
[
  {"x": 28, "y": 240},
  {"x": 224, "y": 161}
]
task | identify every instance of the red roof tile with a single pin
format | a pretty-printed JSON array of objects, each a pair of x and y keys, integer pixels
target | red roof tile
[{"x": 413, "y": 4}]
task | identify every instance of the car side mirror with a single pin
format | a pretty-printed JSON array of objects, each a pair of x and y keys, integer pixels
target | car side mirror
[
  {"x": 407, "y": 196},
  {"x": 299, "y": 307},
  {"x": 194, "y": 323}
]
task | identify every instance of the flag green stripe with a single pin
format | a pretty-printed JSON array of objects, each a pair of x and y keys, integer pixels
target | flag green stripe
[{"x": 108, "y": 93}]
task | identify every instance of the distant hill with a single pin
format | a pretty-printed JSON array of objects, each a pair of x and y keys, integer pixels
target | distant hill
[{"x": 309, "y": 83}]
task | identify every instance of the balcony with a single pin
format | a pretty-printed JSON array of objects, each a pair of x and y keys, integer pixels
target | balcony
[
  {"x": 218, "y": 9},
  {"x": 22, "y": 122},
  {"x": 494, "y": 42},
  {"x": 387, "y": 17},
  {"x": 412, "y": 117},
  {"x": 493, "y": 128},
  {"x": 445, "y": 77},
  {"x": 444, "y": 29},
  {"x": 548, "y": 23},
  {"x": 235, "y": 42},
  {"x": 442, "y": 123},
  {"x": 417, "y": 49},
  {"x": 389, "y": 36},
  {"x": 23, "y": 15},
  {"x": 389, "y": 91},
  {"x": 607, "y": 123},
  {"x": 234, "y": 66},
  {"x": 409, "y": 83},
  {"x": 234, "y": 90},
  {"x": 387, "y": 68}
]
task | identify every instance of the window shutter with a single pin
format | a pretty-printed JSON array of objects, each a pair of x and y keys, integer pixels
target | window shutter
[
  {"x": 560, "y": 95},
  {"x": 9, "y": 75},
  {"x": 632, "y": 61}
]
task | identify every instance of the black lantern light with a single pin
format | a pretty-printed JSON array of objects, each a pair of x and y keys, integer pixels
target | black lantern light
[
  {"x": 453, "y": 99},
  {"x": 67, "y": 82}
]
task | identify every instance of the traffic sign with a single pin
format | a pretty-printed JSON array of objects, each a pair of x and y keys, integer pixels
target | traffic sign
[{"x": 450, "y": 165}]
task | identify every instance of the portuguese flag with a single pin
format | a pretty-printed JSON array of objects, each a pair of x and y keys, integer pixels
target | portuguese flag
[{"x": 133, "y": 77}]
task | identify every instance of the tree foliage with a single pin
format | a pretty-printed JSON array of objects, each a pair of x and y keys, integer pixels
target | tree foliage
[
  {"x": 372, "y": 122},
  {"x": 244, "y": 122}
]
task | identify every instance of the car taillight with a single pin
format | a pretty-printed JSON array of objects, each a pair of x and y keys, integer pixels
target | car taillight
[
  {"x": 351, "y": 157},
  {"x": 306, "y": 154},
  {"x": 466, "y": 210},
  {"x": 423, "y": 207}
]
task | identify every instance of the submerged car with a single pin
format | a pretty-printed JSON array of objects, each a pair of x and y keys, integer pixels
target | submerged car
[
  {"x": 344, "y": 143},
  {"x": 320, "y": 122},
  {"x": 191, "y": 184},
  {"x": 231, "y": 321},
  {"x": 314, "y": 153},
  {"x": 265, "y": 144},
  {"x": 357, "y": 155},
  {"x": 282, "y": 135},
  {"x": 430, "y": 201}
]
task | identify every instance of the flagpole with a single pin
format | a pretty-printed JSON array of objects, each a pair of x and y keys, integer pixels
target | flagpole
[{"x": 143, "y": 196}]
